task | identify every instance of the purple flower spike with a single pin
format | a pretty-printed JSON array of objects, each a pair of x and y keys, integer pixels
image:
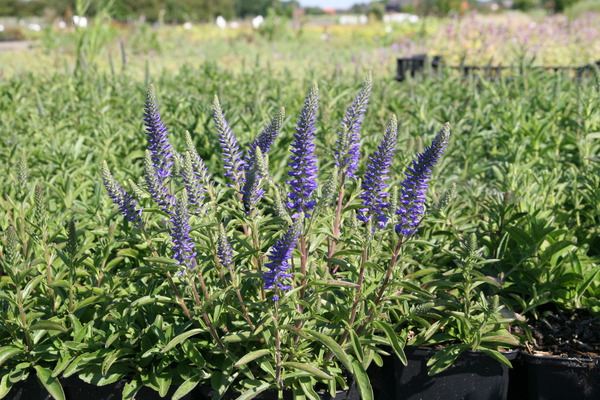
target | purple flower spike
[
  {"x": 414, "y": 187},
  {"x": 303, "y": 165},
  {"x": 280, "y": 256},
  {"x": 158, "y": 138},
  {"x": 251, "y": 191},
  {"x": 183, "y": 245},
  {"x": 347, "y": 153},
  {"x": 157, "y": 189},
  {"x": 265, "y": 139},
  {"x": 224, "y": 251},
  {"x": 373, "y": 194},
  {"x": 125, "y": 201},
  {"x": 193, "y": 184},
  {"x": 232, "y": 156}
]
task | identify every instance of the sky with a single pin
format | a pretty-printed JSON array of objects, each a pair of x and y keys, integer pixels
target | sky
[{"x": 331, "y": 3}]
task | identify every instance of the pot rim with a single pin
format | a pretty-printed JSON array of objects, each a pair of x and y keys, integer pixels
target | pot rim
[
  {"x": 429, "y": 351},
  {"x": 584, "y": 362}
]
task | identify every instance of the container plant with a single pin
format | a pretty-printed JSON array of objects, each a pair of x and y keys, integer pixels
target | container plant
[
  {"x": 550, "y": 274},
  {"x": 459, "y": 335},
  {"x": 242, "y": 284}
]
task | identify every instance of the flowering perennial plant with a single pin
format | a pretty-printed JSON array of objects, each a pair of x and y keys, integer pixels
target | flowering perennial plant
[
  {"x": 280, "y": 256},
  {"x": 232, "y": 156},
  {"x": 303, "y": 162},
  {"x": 125, "y": 201},
  {"x": 373, "y": 195},
  {"x": 183, "y": 246},
  {"x": 414, "y": 187},
  {"x": 347, "y": 153},
  {"x": 257, "y": 265},
  {"x": 158, "y": 138}
]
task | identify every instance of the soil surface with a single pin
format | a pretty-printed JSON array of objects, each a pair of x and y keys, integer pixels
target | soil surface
[{"x": 574, "y": 335}]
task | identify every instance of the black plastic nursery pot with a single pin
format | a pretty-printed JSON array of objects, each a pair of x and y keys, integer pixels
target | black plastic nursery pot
[
  {"x": 473, "y": 376},
  {"x": 556, "y": 378},
  {"x": 206, "y": 393}
]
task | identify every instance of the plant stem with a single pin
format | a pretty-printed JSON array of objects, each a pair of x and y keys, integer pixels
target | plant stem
[
  {"x": 169, "y": 277},
  {"x": 386, "y": 281},
  {"x": 303, "y": 262},
  {"x": 361, "y": 276},
  {"x": 23, "y": 317},
  {"x": 338, "y": 214},
  {"x": 278, "y": 377}
]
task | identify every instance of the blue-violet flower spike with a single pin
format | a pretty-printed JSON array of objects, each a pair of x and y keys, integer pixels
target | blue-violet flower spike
[
  {"x": 373, "y": 195},
  {"x": 125, "y": 201},
  {"x": 303, "y": 164},
  {"x": 265, "y": 139},
  {"x": 155, "y": 186},
  {"x": 183, "y": 245},
  {"x": 224, "y": 251},
  {"x": 232, "y": 156},
  {"x": 279, "y": 258},
  {"x": 200, "y": 170},
  {"x": 347, "y": 153},
  {"x": 158, "y": 138},
  {"x": 193, "y": 185},
  {"x": 414, "y": 187},
  {"x": 252, "y": 190}
]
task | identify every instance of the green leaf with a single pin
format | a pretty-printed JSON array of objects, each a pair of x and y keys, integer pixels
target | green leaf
[
  {"x": 356, "y": 346},
  {"x": 8, "y": 352},
  {"x": 61, "y": 365},
  {"x": 186, "y": 387},
  {"x": 334, "y": 283},
  {"x": 496, "y": 355},
  {"x": 445, "y": 358},
  {"x": 152, "y": 299},
  {"x": 556, "y": 250},
  {"x": 362, "y": 381},
  {"x": 251, "y": 356},
  {"x": 520, "y": 236},
  {"x": 31, "y": 285},
  {"x": 48, "y": 326},
  {"x": 193, "y": 354},
  {"x": 131, "y": 389},
  {"x": 111, "y": 358},
  {"x": 163, "y": 380},
  {"x": 160, "y": 260},
  {"x": 393, "y": 338},
  {"x": 51, "y": 384},
  {"x": 240, "y": 337},
  {"x": 308, "y": 389},
  {"x": 129, "y": 253},
  {"x": 5, "y": 386},
  {"x": 89, "y": 301},
  {"x": 253, "y": 392},
  {"x": 180, "y": 338},
  {"x": 337, "y": 350},
  {"x": 308, "y": 368}
]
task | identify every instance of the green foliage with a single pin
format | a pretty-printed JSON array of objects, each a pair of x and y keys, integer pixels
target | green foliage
[
  {"x": 581, "y": 8},
  {"x": 91, "y": 298}
]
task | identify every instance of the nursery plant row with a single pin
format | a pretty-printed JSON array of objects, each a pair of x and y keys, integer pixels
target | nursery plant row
[{"x": 220, "y": 235}]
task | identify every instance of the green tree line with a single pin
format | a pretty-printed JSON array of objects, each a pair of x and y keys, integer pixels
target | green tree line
[{"x": 152, "y": 10}]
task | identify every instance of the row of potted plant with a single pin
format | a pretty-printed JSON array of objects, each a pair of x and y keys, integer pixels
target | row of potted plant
[{"x": 262, "y": 281}]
